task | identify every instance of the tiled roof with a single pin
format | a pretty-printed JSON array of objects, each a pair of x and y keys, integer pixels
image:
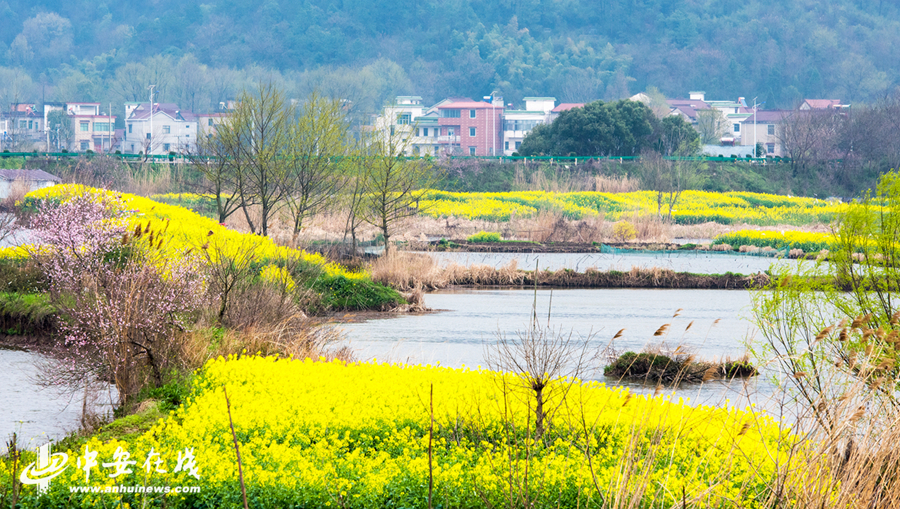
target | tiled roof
[
  {"x": 768, "y": 116},
  {"x": 467, "y": 104},
  {"x": 823, "y": 103},
  {"x": 171, "y": 109},
  {"x": 566, "y": 106},
  {"x": 27, "y": 175}
]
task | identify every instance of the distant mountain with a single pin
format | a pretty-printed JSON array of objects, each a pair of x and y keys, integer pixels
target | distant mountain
[{"x": 575, "y": 50}]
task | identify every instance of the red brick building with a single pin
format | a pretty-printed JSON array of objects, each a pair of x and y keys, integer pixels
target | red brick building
[{"x": 471, "y": 127}]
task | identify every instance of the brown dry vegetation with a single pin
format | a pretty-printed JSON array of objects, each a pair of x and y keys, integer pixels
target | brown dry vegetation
[{"x": 406, "y": 271}]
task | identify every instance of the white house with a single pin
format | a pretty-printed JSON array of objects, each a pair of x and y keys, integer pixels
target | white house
[
  {"x": 408, "y": 117},
  {"x": 518, "y": 123},
  {"x": 29, "y": 180},
  {"x": 164, "y": 130}
]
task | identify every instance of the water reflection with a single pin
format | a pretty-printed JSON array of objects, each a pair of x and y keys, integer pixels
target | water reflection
[
  {"x": 713, "y": 323},
  {"x": 34, "y": 413},
  {"x": 698, "y": 262}
]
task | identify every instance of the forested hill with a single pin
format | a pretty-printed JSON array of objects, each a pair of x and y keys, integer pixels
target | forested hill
[{"x": 575, "y": 50}]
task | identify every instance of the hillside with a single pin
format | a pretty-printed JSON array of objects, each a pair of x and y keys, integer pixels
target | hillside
[{"x": 202, "y": 53}]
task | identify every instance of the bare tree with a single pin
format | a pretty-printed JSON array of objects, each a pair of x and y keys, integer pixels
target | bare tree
[
  {"x": 394, "y": 183},
  {"x": 254, "y": 138},
  {"x": 210, "y": 158},
  {"x": 318, "y": 142},
  {"x": 545, "y": 361},
  {"x": 809, "y": 136},
  {"x": 668, "y": 178},
  {"x": 712, "y": 125}
]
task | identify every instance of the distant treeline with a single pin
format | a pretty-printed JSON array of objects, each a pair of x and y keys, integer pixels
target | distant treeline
[{"x": 200, "y": 54}]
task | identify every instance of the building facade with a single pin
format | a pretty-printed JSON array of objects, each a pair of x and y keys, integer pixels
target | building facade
[
  {"x": 471, "y": 128},
  {"x": 162, "y": 130},
  {"x": 518, "y": 123}
]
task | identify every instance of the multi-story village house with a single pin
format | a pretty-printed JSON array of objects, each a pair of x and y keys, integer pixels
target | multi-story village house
[
  {"x": 163, "y": 130},
  {"x": 21, "y": 128}
]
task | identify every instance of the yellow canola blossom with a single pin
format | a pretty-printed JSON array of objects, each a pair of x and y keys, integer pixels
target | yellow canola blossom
[
  {"x": 809, "y": 242},
  {"x": 692, "y": 207},
  {"x": 318, "y": 434},
  {"x": 185, "y": 230}
]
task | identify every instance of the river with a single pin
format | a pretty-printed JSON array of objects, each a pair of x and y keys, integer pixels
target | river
[
  {"x": 33, "y": 412},
  {"x": 698, "y": 262}
]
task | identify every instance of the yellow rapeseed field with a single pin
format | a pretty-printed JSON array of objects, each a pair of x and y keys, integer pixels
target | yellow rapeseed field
[
  {"x": 186, "y": 230},
  {"x": 330, "y": 434},
  {"x": 692, "y": 207}
]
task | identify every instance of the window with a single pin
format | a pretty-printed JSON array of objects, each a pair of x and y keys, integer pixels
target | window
[
  {"x": 472, "y": 132},
  {"x": 84, "y": 145},
  {"x": 84, "y": 126},
  {"x": 209, "y": 122},
  {"x": 770, "y": 129},
  {"x": 417, "y": 131},
  {"x": 770, "y": 148},
  {"x": 737, "y": 128},
  {"x": 167, "y": 147},
  {"x": 471, "y": 151},
  {"x": 101, "y": 127},
  {"x": 416, "y": 150},
  {"x": 450, "y": 113},
  {"x": 148, "y": 136},
  {"x": 471, "y": 113},
  {"x": 449, "y": 131},
  {"x": 31, "y": 124},
  {"x": 392, "y": 130},
  {"x": 167, "y": 129},
  {"x": 426, "y": 131},
  {"x": 520, "y": 125},
  {"x": 518, "y": 144},
  {"x": 132, "y": 148},
  {"x": 506, "y": 145},
  {"x": 129, "y": 128},
  {"x": 22, "y": 124},
  {"x": 404, "y": 119}
]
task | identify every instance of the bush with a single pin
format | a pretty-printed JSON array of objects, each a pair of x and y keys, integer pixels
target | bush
[
  {"x": 624, "y": 231},
  {"x": 344, "y": 294},
  {"x": 484, "y": 237}
]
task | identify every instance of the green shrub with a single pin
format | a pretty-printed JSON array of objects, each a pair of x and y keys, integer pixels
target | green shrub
[{"x": 341, "y": 293}]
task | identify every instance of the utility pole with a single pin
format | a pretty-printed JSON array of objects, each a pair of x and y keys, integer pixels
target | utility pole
[
  {"x": 150, "y": 142},
  {"x": 755, "y": 155}
]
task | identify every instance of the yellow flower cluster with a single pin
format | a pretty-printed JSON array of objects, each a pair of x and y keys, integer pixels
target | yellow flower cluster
[
  {"x": 317, "y": 434},
  {"x": 809, "y": 242},
  {"x": 185, "y": 230},
  {"x": 692, "y": 207}
]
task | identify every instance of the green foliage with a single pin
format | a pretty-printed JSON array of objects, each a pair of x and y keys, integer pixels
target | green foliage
[
  {"x": 843, "y": 329},
  {"x": 621, "y": 128},
  {"x": 342, "y": 294},
  {"x": 484, "y": 237},
  {"x": 21, "y": 276},
  {"x": 631, "y": 364}
]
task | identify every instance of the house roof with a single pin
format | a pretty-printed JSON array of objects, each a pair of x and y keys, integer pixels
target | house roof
[
  {"x": 695, "y": 104},
  {"x": 821, "y": 104},
  {"x": 467, "y": 104},
  {"x": 11, "y": 175},
  {"x": 566, "y": 106},
  {"x": 767, "y": 116},
  {"x": 142, "y": 112}
]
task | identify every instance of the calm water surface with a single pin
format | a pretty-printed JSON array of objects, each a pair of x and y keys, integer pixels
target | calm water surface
[
  {"x": 456, "y": 336},
  {"x": 699, "y": 262},
  {"x": 34, "y": 413}
]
